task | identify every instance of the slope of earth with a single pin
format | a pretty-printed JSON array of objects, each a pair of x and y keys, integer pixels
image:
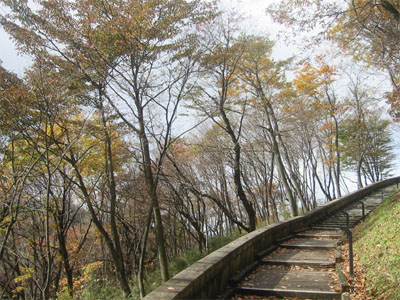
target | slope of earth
[{"x": 377, "y": 253}]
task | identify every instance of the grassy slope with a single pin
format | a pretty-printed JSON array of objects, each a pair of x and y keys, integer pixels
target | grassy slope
[{"x": 377, "y": 250}]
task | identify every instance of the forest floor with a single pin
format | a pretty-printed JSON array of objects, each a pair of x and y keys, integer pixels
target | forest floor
[{"x": 376, "y": 254}]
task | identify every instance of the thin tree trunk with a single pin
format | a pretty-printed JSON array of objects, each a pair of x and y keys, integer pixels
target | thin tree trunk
[
  {"x": 152, "y": 186},
  {"x": 142, "y": 289},
  {"x": 283, "y": 176},
  {"x": 281, "y": 167},
  {"x": 286, "y": 156},
  {"x": 113, "y": 205},
  {"x": 116, "y": 258},
  {"x": 359, "y": 179},
  {"x": 270, "y": 196},
  {"x": 251, "y": 214}
]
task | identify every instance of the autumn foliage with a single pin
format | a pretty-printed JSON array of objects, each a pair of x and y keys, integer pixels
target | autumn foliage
[{"x": 144, "y": 130}]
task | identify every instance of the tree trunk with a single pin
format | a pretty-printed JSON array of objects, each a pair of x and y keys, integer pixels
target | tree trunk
[
  {"x": 269, "y": 192},
  {"x": 116, "y": 258},
  {"x": 152, "y": 187},
  {"x": 359, "y": 179},
  {"x": 277, "y": 133},
  {"x": 120, "y": 262},
  {"x": 283, "y": 176},
  {"x": 142, "y": 289},
  {"x": 281, "y": 167},
  {"x": 337, "y": 172},
  {"x": 251, "y": 214},
  {"x": 66, "y": 262}
]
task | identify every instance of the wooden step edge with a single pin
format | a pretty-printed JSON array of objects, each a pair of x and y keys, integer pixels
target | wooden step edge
[
  {"x": 312, "y": 228},
  {"x": 337, "y": 218},
  {"x": 340, "y": 226},
  {"x": 366, "y": 205},
  {"x": 282, "y": 240},
  {"x": 340, "y": 221},
  {"x": 289, "y": 246},
  {"x": 234, "y": 281},
  {"x": 351, "y": 219},
  {"x": 265, "y": 252},
  {"x": 303, "y": 233},
  {"x": 228, "y": 294},
  {"x": 301, "y": 230},
  {"x": 320, "y": 264},
  {"x": 330, "y": 227},
  {"x": 326, "y": 235},
  {"x": 337, "y": 223},
  {"x": 341, "y": 217},
  {"x": 318, "y": 227},
  {"x": 289, "y": 293},
  {"x": 317, "y": 238}
]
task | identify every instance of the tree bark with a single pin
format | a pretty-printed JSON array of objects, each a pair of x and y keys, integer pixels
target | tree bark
[
  {"x": 120, "y": 263},
  {"x": 142, "y": 289},
  {"x": 251, "y": 214},
  {"x": 152, "y": 186}
]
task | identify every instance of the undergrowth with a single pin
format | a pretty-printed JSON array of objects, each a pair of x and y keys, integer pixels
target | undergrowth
[
  {"x": 96, "y": 289},
  {"x": 377, "y": 250},
  {"x": 178, "y": 264}
]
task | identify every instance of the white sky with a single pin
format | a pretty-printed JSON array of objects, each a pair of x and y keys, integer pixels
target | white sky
[
  {"x": 255, "y": 9},
  {"x": 8, "y": 54},
  {"x": 258, "y": 23},
  {"x": 261, "y": 24}
]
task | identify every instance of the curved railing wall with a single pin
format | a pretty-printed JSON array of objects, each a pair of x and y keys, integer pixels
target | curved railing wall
[{"x": 210, "y": 275}]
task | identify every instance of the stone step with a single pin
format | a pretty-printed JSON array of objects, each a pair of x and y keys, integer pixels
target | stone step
[
  {"x": 285, "y": 294},
  {"x": 337, "y": 224},
  {"x": 309, "y": 244},
  {"x": 358, "y": 210},
  {"x": 352, "y": 215},
  {"x": 292, "y": 283},
  {"x": 320, "y": 233},
  {"x": 321, "y": 227},
  {"x": 334, "y": 226},
  {"x": 299, "y": 257},
  {"x": 341, "y": 221}
]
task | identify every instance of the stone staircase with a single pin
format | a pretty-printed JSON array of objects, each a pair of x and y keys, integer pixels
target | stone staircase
[{"x": 305, "y": 265}]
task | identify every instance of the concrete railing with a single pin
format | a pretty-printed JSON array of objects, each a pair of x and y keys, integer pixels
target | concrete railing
[{"x": 206, "y": 278}]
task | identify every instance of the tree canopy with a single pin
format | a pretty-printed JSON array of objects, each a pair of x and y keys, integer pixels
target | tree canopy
[{"x": 366, "y": 29}]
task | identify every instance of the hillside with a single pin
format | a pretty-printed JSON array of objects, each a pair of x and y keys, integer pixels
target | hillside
[{"x": 377, "y": 256}]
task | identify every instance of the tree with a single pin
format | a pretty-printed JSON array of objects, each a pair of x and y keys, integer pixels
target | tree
[
  {"x": 133, "y": 54},
  {"x": 367, "y": 147},
  {"x": 45, "y": 196},
  {"x": 220, "y": 96},
  {"x": 366, "y": 29},
  {"x": 316, "y": 82},
  {"x": 258, "y": 171},
  {"x": 266, "y": 82},
  {"x": 186, "y": 206}
]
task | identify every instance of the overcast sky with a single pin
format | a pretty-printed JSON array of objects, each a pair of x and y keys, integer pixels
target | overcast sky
[
  {"x": 258, "y": 23},
  {"x": 255, "y": 9}
]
